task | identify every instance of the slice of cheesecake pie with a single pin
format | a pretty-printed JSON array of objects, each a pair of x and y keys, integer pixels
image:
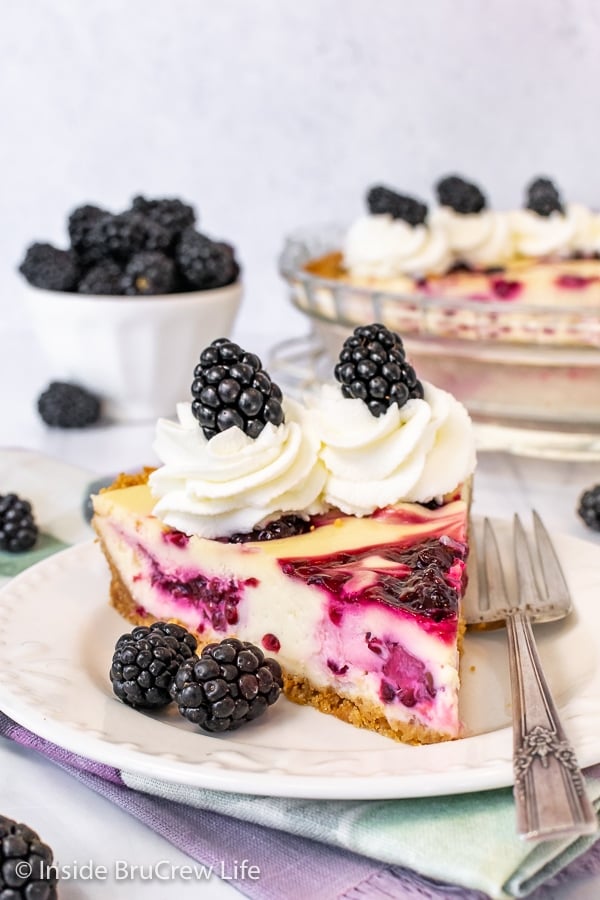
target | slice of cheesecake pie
[{"x": 270, "y": 538}]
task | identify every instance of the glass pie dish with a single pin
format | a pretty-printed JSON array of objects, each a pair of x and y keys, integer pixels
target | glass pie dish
[{"x": 528, "y": 373}]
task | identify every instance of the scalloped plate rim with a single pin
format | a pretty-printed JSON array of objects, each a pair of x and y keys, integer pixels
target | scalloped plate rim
[{"x": 226, "y": 764}]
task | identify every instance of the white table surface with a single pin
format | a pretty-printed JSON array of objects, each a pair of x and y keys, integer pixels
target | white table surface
[{"x": 67, "y": 814}]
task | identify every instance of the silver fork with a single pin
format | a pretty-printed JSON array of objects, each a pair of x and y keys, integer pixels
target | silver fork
[{"x": 550, "y": 795}]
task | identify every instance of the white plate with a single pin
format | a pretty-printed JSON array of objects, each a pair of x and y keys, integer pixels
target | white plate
[{"x": 57, "y": 634}]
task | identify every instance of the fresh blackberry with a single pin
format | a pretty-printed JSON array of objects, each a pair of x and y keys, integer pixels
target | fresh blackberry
[
  {"x": 383, "y": 200},
  {"x": 176, "y": 636},
  {"x": 543, "y": 197},
  {"x": 79, "y": 225},
  {"x": 589, "y": 507},
  {"x": 149, "y": 272},
  {"x": 143, "y": 667},
  {"x": 372, "y": 367},
  {"x": 103, "y": 278},
  {"x": 462, "y": 196},
  {"x": 48, "y": 267},
  {"x": 205, "y": 264},
  {"x": 170, "y": 213},
  {"x": 123, "y": 235},
  {"x": 286, "y": 526},
  {"x": 64, "y": 405},
  {"x": 230, "y": 387},
  {"x": 231, "y": 683},
  {"x": 26, "y": 871},
  {"x": 18, "y": 530}
]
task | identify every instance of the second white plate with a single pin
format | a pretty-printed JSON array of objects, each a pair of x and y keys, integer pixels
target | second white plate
[{"x": 57, "y": 635}]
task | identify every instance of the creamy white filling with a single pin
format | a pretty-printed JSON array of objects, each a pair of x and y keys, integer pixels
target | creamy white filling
[
  {"x": 296, "y": 614},
  {"x": 421, "y": 451}
]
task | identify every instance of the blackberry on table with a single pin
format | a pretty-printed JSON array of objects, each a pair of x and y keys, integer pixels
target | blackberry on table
[
  {"x": 103, "y": 278},
  {"x": 204, "y": 263},
  {"x": 18, "y": 530},
  {"x": 149, "y": 272},
  {"x": 231, "y": 388},
  {"x": 64, "y": 405},
  {"x": 383, "y": 200},
  {"x": 232, "y": 682},
  {"x": 372, "y": 367},
  {"x": 48, "y": 267},
  {"x": 170, "y": 213},
  {"x": 176, "y": 636},
  {"x": 79, "y": 225},
  {"x": 462, "y": 196},
  {"x": 543, "y": 197},
  {"x": 143, "y": 667},
  {"x": 589, "y": 507},
  {"x": 286, "y": 526},
  {"x": 34, "y": 878}
]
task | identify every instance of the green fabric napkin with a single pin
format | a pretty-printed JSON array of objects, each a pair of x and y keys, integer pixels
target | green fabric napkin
[{"x": 464, "y": 839}]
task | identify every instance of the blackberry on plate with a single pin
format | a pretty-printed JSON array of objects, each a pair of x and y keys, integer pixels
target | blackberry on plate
[
  {"x": 64, "y": 405},
  {"x": 543, "y": 198},
  {"x": 372, "y": 367},
  {"x": 149, "y": 272},
  {"x": 103, "y": 278},
  {"x": 462, "y": 196},
  {"x": 204, "y": 263},
  {"x": 18, "y": 530},
  {"x": 383, "y": 200},
  {"x": 143, "y": 667},
  {"x": 176, "y": 636},
  {"x": 589, "y": 507},
  {"x": 231, "y": 388},
  {"x": 170, "y": 213},
  {"x": 48, "y": 267},
  {"x": 79, "y": 225},
  {"x": 25, "y": 864},
  {"x": 232, "y": 682},
  {"x": 286, "y": 526}
]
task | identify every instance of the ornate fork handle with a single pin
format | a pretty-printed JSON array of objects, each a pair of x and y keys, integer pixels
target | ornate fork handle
[{"x": 550, "y": 793}]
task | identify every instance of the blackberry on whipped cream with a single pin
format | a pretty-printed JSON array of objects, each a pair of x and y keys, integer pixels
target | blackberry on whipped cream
[
  {"x": 383, "y": 201},
  {"x": 543, "y": 197},
  {"x": 373, "y": 368},
  {"x": 395, "y": 239},
  {"x": 462, "y": 196},
  {"x": 304, "y": 541}
]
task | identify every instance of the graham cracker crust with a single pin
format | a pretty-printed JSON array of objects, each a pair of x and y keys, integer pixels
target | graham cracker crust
[{"x": 300, "y": 690}]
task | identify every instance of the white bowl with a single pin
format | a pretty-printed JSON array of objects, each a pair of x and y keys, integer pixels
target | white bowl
[{"x": 137, "y": 353}]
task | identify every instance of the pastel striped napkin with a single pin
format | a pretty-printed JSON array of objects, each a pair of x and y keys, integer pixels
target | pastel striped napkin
[{"x": 340, "y": 849}]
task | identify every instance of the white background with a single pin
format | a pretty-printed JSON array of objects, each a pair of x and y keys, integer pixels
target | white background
[{"x": 271, "y": 114}]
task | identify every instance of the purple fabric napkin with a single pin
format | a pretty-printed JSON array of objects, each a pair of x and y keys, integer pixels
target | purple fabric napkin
[{"x": 292, "y": 867}]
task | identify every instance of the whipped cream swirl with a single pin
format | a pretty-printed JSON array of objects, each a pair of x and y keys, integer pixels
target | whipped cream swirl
[
  {"x": 586, "y": 239},
  {"x": 421, "y": 451},
  {"x": 481, "y": 240},
  {"x": 379, "y": 246},
  {"x": 539, "y": 236},
  {"x": 231, "y": 483}
]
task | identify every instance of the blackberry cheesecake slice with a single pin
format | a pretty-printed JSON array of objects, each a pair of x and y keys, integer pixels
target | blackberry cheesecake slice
[{"x": 264, "y": 531}]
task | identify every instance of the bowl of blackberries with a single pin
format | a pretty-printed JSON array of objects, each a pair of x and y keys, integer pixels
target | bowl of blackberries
[{"x": 122, "y": 310}]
